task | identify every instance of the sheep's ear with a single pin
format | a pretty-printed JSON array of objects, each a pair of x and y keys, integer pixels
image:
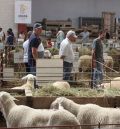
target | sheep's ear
[
  {"x": 35, "y": 77},
  {"x": 61, "y": 99},
  {"x": 24, "y": 78},
  {"x": 60, "y": 106}
]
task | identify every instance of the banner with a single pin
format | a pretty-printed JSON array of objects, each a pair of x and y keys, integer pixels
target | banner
[{"x": 23, "y": 11}]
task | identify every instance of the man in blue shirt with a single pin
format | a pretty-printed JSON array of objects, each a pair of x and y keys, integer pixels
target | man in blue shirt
[{"x": 34, "y": 42}]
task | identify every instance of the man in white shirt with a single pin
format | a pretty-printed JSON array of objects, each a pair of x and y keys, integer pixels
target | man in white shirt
[
  {"x": 25, "y": 48},
  {"x": 59, "y": 37},
  {"x": 66, "y": 53}
]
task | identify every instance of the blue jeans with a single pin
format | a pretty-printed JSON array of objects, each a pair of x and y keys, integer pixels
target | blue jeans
[
  {"x": 33, "y": 70},
  {"x": 67, "y": 68},
  {"x": 97, "y": 74}
]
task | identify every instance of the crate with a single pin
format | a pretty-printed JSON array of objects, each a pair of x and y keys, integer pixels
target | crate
[
  {"x": 53, "y": 24},
  {"x": 8, "y": 74},
  {"x": 49, "y": 70}
]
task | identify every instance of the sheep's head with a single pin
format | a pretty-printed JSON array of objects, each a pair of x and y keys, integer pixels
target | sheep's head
[
  {"x": 57, "y": 103},
  {"x": 5, "y": 97},
  {"x": 29, "y": 77}
]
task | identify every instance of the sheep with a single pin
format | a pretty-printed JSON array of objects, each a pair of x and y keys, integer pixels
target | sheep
[
  {"x": 89, "y": 113},
  {"x": 47, "y": 54},
  {"x": 115, "y": 83},
  {"x": 85, "y": 61},
  {"x": 61, "y": 85},
  {"x": 29, "y": 84},
  {"x": 24, "y": 116}
]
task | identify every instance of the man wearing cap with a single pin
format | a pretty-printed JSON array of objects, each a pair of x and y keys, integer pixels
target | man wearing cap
[
  {"x": 66, "y": 53},
  {"x": 34, "y": 42}
]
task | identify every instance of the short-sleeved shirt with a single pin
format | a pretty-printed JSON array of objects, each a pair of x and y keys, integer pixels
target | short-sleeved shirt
[
  {"x": 98, "y": 49},
  {"x": 34, "y": 42},
  {"x": 85, "y": 36},
  {"x": 10, "y": 40},
  {"x": 66, "y": 50},
  {"x": 60, "y": 36},
  {"x": 25, "y": 46}
]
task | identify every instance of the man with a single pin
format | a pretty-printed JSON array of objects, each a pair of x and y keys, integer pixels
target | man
[
  {"x": 85, "y": 36},
  {"x": 25, "y": 48},
  {"x": 2, "y": 35},
  {"x": 97, "y": 60},
  {"x": 34, "y": 42},
  {"x": 59, "y": 37},
  {"x": 66, "y": 53}
]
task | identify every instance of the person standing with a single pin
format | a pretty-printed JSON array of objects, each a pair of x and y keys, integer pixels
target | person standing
[
  {"x": 25, "y": 51},
  {"x": 85, "y": 36},
  {"x": 66, "y": 53},
  {"x": 59, "y": 37},
  {"x": 34, "y": 42},
  {"x": 97, "y": 60},
  {"x": 2, "y": 35}
]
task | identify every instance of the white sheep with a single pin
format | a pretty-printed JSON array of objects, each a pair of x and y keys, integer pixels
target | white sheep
[
  {"x": 24, "y": 116},
  {"x": 61, "y": 85},
  {"x": 85, "y": 62},
  {"x": 89, "y": 113},
  {"x": 47, "y": 54},
  {"x": 115, "y": 83},
  {"x": 29, "y": 84}
]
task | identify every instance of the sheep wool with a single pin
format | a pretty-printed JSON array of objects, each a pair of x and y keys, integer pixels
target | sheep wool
[
  {"x": 29, "y": 84},
  {"x": 115, "y": 83},
  {"x": 61, "y": 85},
  {"x": 85, "y": 61},
  {"x": 24, "y": 116},
  {"x": 90, "y": 113}
]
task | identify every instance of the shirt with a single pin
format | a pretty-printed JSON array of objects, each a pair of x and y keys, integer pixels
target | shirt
[
  {"x": 85, "y": 36},
  {"x": 60, "y": 36},
  {"x": 66, "y": 50},
  {"x": 40, "y": 48},
  {"x": 98, "y": 50},
  {"x": 25, "y": 46},
  {"x": 34, "y": 42}
]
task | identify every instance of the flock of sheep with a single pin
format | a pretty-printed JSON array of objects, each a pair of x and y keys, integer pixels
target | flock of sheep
[{"x": 64, "y": 114}]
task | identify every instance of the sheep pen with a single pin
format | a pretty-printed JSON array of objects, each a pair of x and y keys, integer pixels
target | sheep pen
[
  {"x": 85, "y": 61},
  {"x": 89, "y": 113},
  {"x": 24, "y": 116},
  {"x": 29, "y": 84}
]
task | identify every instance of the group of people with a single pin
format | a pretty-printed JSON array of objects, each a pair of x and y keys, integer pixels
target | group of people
[
  {"x": 9, "y": 37},
  {"x": 66, "y": 53},
  {"x": 33, "y": 49}
]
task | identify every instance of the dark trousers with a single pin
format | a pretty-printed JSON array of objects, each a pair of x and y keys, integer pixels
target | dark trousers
[
  {"x": 33, "y": 71},
  {"x": 27, "y": 68},
  {"x": 67, "y": 68}
]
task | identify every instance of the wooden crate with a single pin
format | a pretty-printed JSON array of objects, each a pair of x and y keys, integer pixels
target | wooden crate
[
  {"x": 8, "y": 74},
  {"x": 49, "y": 70}
]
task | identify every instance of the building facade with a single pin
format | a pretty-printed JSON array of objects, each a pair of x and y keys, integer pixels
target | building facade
[{"x": 58, "y": 10}]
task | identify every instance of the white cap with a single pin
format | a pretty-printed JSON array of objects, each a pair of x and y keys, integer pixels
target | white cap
[{"x": 71, "y": 33}]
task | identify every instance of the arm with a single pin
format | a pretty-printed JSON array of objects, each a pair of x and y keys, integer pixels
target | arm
[
  {"x": 34, "y": 53},
  {"x": 62, "y": 57}
]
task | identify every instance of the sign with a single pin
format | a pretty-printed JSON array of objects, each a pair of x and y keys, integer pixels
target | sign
[{"x": 23, "y": 11}]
